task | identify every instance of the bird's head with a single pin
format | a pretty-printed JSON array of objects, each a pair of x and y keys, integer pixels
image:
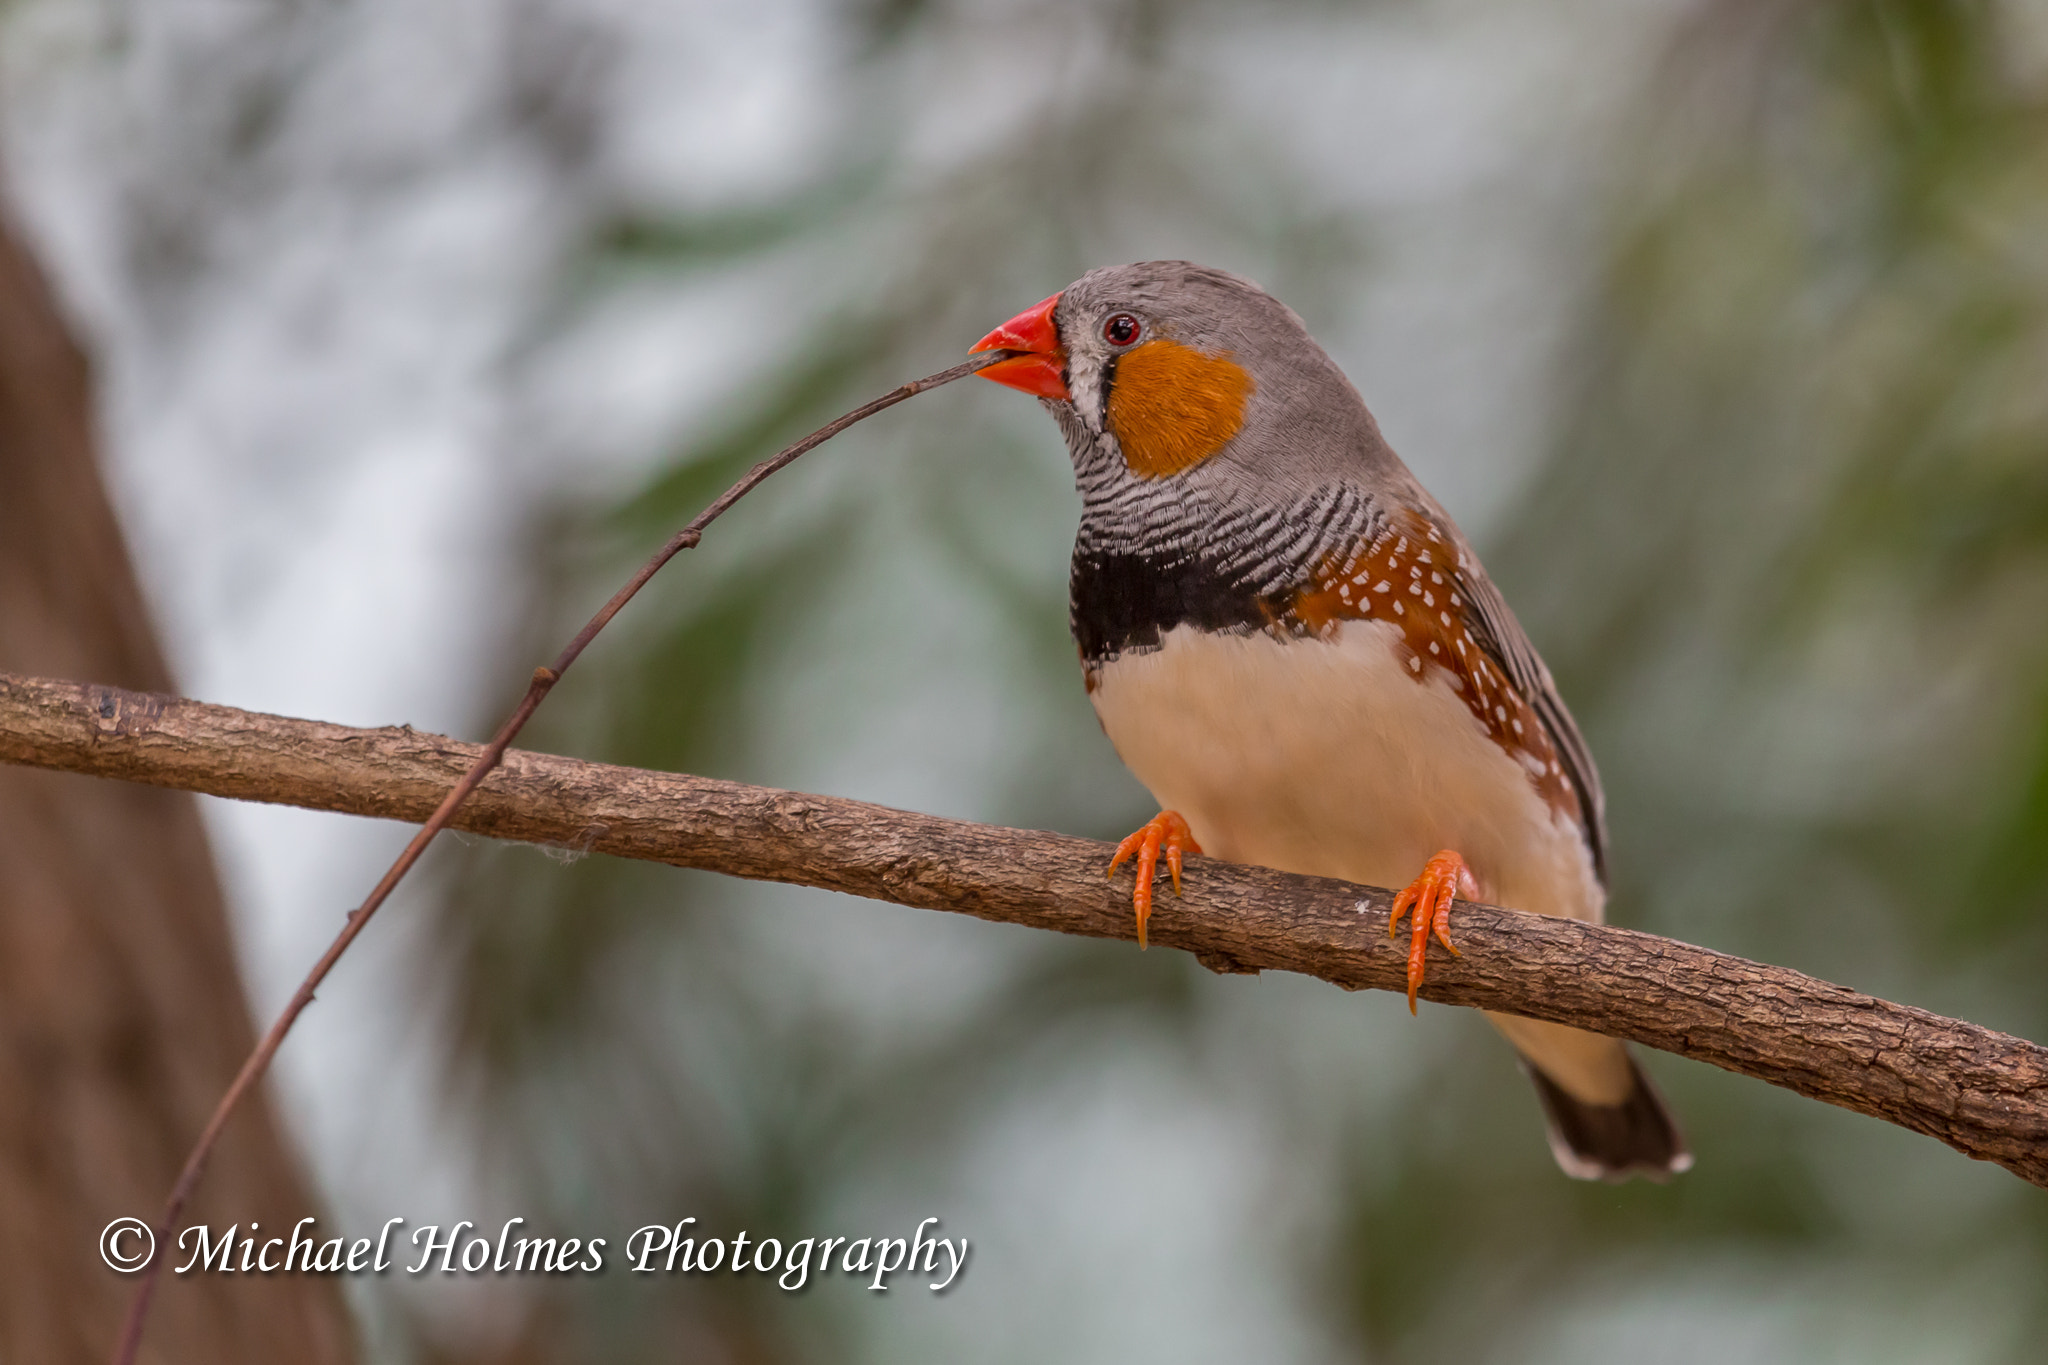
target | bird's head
[{"x": 1171, "y": 367}]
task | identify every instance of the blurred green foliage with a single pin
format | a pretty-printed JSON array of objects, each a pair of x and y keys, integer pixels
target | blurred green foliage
[
  {"x": 1789, "y": 559},
  {"x": 1790, "y": 562}
]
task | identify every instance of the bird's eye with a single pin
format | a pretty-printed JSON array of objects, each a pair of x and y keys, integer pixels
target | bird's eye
[{"x": 1121, "y": 330}]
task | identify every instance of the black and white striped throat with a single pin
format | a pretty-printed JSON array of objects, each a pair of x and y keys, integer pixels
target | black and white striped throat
[{"x": 1152, "y": 555}]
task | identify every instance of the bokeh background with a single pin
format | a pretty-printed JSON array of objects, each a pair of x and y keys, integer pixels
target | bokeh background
[{"x": 1721, "y": 325}]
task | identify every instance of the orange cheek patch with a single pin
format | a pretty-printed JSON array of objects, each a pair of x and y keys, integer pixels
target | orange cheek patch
[{"x": 1173, "y": 406}]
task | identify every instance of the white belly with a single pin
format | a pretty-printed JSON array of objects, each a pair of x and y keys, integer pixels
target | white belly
[{"x": 1328, "y": 757}]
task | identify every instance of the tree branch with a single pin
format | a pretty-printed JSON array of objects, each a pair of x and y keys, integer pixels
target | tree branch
[{"x": 1983, "y": 1093}]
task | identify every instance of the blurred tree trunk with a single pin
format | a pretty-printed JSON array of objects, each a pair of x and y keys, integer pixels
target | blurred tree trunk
[{"x": 121, "y": 1011}]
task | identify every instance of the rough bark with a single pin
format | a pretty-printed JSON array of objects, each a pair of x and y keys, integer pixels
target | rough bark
[
  {"x": 1982, "y": 1092},
  {"x": 121, "y": 1013}
]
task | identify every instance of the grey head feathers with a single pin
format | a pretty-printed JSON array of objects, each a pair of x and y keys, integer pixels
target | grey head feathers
[{"x": 1305, "y": 424}]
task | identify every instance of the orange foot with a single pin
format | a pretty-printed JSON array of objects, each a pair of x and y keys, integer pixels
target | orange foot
[
  {"x": 1167, "y": 830},
  {"x": 1444, "y": 878}
]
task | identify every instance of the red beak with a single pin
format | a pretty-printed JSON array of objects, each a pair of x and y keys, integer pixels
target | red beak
[{"x": 1043, "y": 370}]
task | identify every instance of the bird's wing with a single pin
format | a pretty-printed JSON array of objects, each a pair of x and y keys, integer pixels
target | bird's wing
[{"x": 1494, "y": 627}]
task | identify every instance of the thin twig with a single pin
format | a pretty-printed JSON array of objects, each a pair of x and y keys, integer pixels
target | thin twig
[
  {"x": 1983, "y": 1093},
  {"x": 543, "y": 681}
]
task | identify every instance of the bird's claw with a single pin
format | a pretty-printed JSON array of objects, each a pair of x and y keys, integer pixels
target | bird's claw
[
  {"x": 1165, "y": 830},
  {"x": 1444, "y": 878}
]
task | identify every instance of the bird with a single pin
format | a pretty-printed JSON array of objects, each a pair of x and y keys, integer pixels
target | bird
[{"x": 1292, "y": 646}]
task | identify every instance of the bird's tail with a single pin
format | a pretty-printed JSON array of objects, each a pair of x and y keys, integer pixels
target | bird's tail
[{"x": 1606, "y": 1120}]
